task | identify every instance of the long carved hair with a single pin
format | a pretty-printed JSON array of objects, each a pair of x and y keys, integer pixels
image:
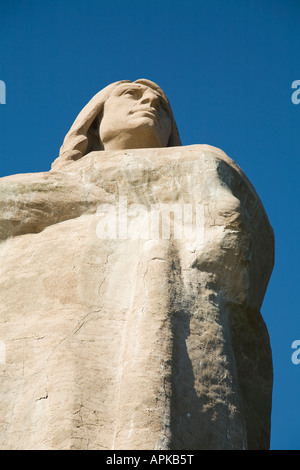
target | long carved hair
[{"x": 82, "y": 137}]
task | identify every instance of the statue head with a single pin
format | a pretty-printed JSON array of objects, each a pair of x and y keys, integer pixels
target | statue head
[{"x": 124, "y": 115}]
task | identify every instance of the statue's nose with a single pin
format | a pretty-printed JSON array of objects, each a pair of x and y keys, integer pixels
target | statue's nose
[{"x": 150, "y": 98}]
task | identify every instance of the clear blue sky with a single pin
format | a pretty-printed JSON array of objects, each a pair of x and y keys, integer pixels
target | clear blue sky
[{"x": 227, "y": 67}]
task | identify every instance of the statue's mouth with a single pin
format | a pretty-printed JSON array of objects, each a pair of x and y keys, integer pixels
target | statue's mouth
[{"x": 151, "y": 111}]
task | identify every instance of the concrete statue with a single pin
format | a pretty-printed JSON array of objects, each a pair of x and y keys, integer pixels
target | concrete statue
[{"x": 132, "y": 276}]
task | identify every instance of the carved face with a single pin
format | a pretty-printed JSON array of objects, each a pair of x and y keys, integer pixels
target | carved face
[{"x": 135, "y": 116}]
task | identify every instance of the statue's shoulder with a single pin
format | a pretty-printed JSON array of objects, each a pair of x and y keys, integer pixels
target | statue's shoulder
[
  {"x": 20, "y": 183},
  {"x": 211, "y": 155},
  {"x": 209, "y": 151}
]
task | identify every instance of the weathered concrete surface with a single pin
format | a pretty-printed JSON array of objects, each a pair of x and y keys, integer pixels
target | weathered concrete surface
[{"x": 134, "y": 343}]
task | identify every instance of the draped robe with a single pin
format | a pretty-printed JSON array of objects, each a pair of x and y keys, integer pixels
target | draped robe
[{"x": 136, "y": 342}]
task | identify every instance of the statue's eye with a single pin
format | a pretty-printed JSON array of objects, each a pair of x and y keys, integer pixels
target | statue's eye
[{"x": 129, "y": 92}]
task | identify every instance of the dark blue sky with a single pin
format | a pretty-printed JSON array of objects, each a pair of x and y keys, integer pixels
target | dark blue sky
[{"x": 227, "y": 67}]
